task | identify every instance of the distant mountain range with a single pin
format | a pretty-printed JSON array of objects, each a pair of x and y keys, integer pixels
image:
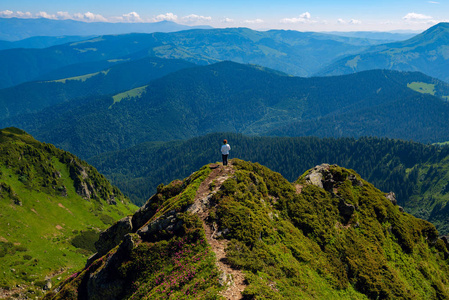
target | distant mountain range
[
  {"x": 427, "y": 52},
  {"x": 14, "y": 29},
  {"x": 377, "y": 35},
  {"x": 292, "y": 52},
  {"x": 42, "y": 41}
]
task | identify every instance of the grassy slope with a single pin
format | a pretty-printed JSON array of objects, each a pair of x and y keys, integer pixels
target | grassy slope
[
  {"x": 40, "y": 223},
  {"x": 289, "y": 244}
]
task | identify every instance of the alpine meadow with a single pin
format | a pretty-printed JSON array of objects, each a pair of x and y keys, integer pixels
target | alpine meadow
[{"x": 238, "y": 150}]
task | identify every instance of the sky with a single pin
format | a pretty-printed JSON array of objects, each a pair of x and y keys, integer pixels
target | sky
[{"x": 318, "y": 15}]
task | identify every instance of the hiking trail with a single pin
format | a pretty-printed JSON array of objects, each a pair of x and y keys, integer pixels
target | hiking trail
[{"x": 232, "y": 278}]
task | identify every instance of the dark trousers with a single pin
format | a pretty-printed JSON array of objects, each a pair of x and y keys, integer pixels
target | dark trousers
[{"x": 225, "y": 159}]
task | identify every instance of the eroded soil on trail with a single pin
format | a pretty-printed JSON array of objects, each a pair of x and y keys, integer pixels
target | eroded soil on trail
[{"x": 232, "y": 278}]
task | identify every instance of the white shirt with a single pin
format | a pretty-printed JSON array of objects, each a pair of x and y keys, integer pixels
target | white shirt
[{"x": 225, "y": 149}]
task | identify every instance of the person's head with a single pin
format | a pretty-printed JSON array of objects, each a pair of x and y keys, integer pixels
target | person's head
[{"x": 225, "y": 141}]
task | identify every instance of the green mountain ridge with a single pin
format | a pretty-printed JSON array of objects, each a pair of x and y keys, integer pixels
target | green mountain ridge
[
  {"x": 244, "y": 230},
  {"x": 243, "y": 98},
  {"x": 427, "y": 53},
  {"x": 52, "y": 206},
  {"x": 417, "y": 173}
]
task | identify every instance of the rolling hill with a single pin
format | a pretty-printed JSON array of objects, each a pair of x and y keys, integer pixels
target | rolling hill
[
  {"x": 52, "y": 207},
  {"x": 231, "y": 97},
  {"x": 427, "y": 52},
  {"x": 243, "y": 231},
  {"x": 34, "y": 96}
]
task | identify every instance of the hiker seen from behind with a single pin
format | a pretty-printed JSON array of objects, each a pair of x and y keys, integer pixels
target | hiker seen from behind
[{"x": 225, "y": 152}]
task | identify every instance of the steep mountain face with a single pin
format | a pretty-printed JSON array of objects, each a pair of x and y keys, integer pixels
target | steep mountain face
[
  {"x": 35, "y": 96},
  {"x": 242, "y": 98},
  {"x": 243, "y": 231},
  {"x": 52, "y": 206},
  {"x": 291, "y": 52},
  {"x": 427, "y": 52}
]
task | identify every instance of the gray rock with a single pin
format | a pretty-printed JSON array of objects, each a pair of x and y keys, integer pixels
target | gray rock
[
  {"x": 354, "y": 180},
  {"x": 167, "y": 224},
  {"x": 103, "y": 284},
  {"x": 48, "y": 285},
  {"x": 392, "y": 197},
  {"x": 346, "y": 210},
  {"x": 112, "y": 236}
]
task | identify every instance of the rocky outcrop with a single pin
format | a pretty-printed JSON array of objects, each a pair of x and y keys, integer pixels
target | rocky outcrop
[
  {"x": 112, "y": 236},
  {"x": 330, "y": 178},
  {"x": 167, "y": 224},
  {"x": 346, "y": 210},
  {"x": 323, "y": 176},
  {"x": 104, "y": 284},
  {"x": 392, "y": 197}
]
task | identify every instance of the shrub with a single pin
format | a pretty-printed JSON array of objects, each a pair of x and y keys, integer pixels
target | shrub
[{"x": 86, "y": 240}]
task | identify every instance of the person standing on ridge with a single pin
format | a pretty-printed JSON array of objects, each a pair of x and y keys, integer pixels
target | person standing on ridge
[{"x": 225, "y": 152}]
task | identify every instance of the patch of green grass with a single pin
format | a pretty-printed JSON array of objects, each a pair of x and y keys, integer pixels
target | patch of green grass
[
  {"x": 353, "y": 62},
  {"x": 134, "y": 93},
  {"x": 423, "y": 88},
  {"x": 81, "y": 78}
]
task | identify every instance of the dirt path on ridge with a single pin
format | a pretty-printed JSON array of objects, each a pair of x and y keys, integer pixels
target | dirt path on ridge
[{"x": 234, "y": 279}]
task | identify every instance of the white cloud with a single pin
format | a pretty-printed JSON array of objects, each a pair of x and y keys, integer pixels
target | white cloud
[
  {"x": 355, "y": 22},
  {"x": 256, "y": 21},
  {"x": 132, "y": 17},
  {"x": 6, "y": 14},
  {"x": 414, "y": 16},
  {"x": 43, "y": 14},
  {"x": 63, "y": 15},
  {"x": 303, "y": 18},
  {"x": 195, "y": 19},
  {"x": 89, "y": 17},
  {"x": 167, "y": 17},
  {"x": 227, "y": 20},
  {"x": 341, "y": 21},
  {"x": 433, "y": 2},
  {"x": 21, "y": 14},
  {"x": 60, "y": 15}
]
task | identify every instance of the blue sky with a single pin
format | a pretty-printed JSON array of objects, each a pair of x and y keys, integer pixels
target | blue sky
[{"x": 318, "y": 15}]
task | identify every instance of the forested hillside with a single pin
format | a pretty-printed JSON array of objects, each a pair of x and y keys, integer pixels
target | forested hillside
[
  {"x": 248, "y": 99},
  {"x": 34, "y": 96},
  {"x": 418, "y": 174}
]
